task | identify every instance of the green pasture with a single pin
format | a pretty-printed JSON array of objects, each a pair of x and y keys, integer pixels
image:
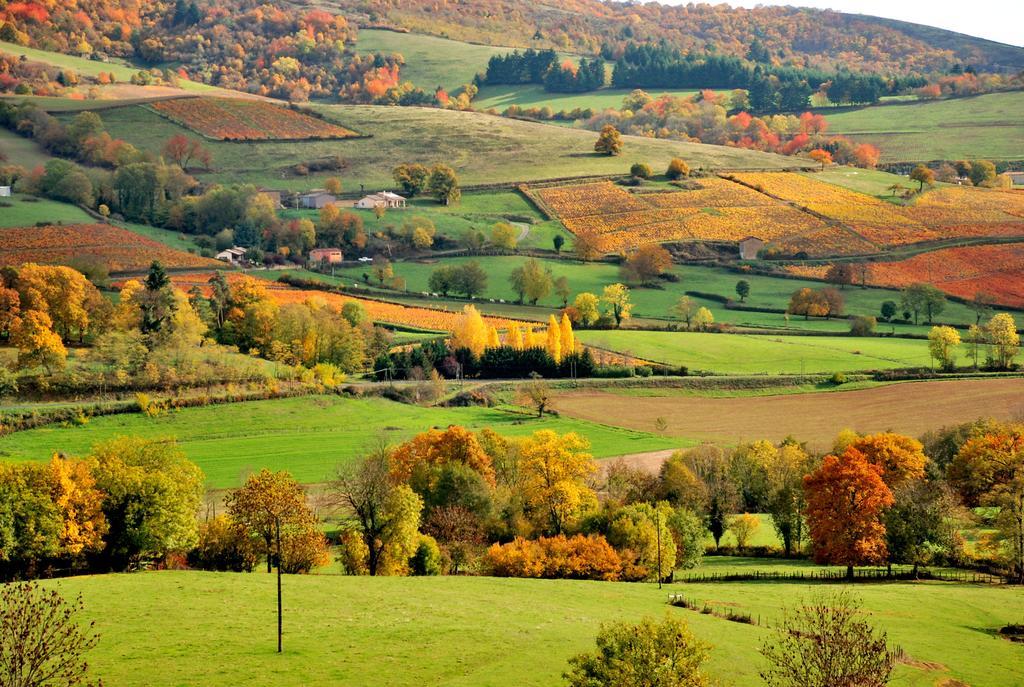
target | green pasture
[
  {"x": 984, "y": 126},
  {"x": 482, "y": 148},
  {"x": 22, "y": 151},
  {"x": 656, "y": 303},
  {"x": 764, "y": 354},
  {"x": 27, "y": 210},
  {"x": 430, "y": 61},
  {"x": 307, "y": 436},
  {"x": 533, "y": 95},
  {"x": 159, "y": 627}
]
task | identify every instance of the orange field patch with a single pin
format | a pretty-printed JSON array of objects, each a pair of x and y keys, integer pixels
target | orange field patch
[
  {"x": 943, "y": 213},
  {"x": 378, "y": 311},
  {"x": 719, "y": 210},
  {"x": 235, "y": 119},
  {"x": 119, "y": 250},
  {"x": 964, "y": 272}
]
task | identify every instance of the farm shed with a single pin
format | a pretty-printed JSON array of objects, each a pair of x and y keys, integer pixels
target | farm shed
[
  {"x": 384, "y": 199},
  {"x": 750, "y": 247},
  {"x": 232, "y": 255},
  {"x": 331, "y": 256},
  {"x": 316, "y": 200}
]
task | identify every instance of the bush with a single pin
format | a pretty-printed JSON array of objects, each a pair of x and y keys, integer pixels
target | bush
[
  {"x": 576, "y": 558},
  {"x": 641, "y": 170},
  {"x": 428, "y": 559},
  {"x": 224, "y": 546},
  {"x": 838, "y": 379},
  {"x": 353, "y": 554},
  {"x": 677, "y": 169},
  {"x": 861, "y": 325}
]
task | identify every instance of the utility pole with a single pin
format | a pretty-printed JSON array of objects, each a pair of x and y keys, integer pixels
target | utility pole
[{"x": 277, "y": 523}]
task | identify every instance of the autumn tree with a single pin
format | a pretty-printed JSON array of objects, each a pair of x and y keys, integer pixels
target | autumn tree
[
  {"x": 443, "y": 184},
  {"x": 840, "y": 273},
  {"x": 38, "y": 345},
  {"x": 615, "y": 298},
  {"x": 332, "y": 185},
  {"x": 1001, "y": 334},
  {"x": 703, "y": 319},
  {"x": 989, "y": 470},
  {"x": 743, "y": 528},
  {"x": 922, "y": 175},
  {"x": 587, "y": 306},
  {"x": 684, "y": 308},
  {"x": 470, "y": 331},
  {"x": 646, "y": 264},
  {"x": 182, "y": 150},
  {"x": 677, "y": 169},
  {"x": 710, "y": 465},
  {"x": 846, "y": 498},
  {"x": 535, "y": 393},
  {"x": 412, "y": 178},
  {"x": 504, "y": 236},
  {"x": 386, "y": 515},
  {"x": 785, "y": 469},
  {"x": 562, "y": 290},
  {"x": 900, "y": 458},
  {"x": 42, "y": 641},
  {"x": 554, "y": 471},
  {"x": 269, "y": 500},
  {"x": 827, "y": 642},
  {"x": 587, "y": 246},
  {"x": 942, "y": 344},
  {"x": 437, "y": 448},
  {"x": 531, "y": 281},
  {"x": 609, "y": 142},
  {"x": 654, "y": 654},
  {"x": 822, "y": 157},
  {"x": 982, "y": 172}
]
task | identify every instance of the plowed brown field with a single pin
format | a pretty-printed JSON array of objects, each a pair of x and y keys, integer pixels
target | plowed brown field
[{"x": 910, "y": 408}]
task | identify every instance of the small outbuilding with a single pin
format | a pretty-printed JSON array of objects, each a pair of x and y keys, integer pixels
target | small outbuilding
[
  {"x": 1016, "y": 177},
  {"x": 5, "y": 191},
  {"x": 329, "y": 256},
  {"x": 384, "y": 199},
  {"x": 316, "y": 200},
  {"x": 750, "y": 247},
  {"x": 233, "y": 256},
  {"x": 274, "y": 195}
]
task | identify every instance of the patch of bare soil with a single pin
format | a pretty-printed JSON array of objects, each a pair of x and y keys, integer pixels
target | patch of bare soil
[{"x": 908, "y": 408}]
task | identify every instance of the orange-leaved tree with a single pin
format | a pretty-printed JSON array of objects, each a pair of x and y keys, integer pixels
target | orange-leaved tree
[
  {"x": 436, "y": 448},
  {"x": 846, "y": 498},
  {"x": 900, "y": 457}
]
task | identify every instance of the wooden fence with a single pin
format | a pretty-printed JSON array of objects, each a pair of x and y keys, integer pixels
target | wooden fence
[{"x": 861, "y": 575}]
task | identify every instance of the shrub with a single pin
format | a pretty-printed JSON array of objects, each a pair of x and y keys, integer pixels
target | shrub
[
  {"x": 838, "y": 379},
  {"x": 223, "y": 545},
  {"x": 560, "y": 557},
  {"x": 353, "y": 553},
  {"x": 861, "y": 325},
  {"x": 428, "y": 559},
  {"x": 641, "y": 170},
  {"x": 677, "y": 169}
]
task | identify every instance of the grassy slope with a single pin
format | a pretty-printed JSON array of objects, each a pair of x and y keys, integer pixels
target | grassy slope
[
  {"x": 22, "y": 151},
  {"x": 986, "y": 126},
  {"x": 756, "y": 354},
  {"x": 481, "y": 148},
  {"x": 307, "y": 436},
  {"x": 120, "y": 70},
  {"x": 768, "y": 292},
  {"x": 430, "y": 61},
  {"x": 158, "y": 627},
  {"x": 532, "y": 95},
  {"x": 476, "y": 210},
  {"x": 27, "y": 210}
]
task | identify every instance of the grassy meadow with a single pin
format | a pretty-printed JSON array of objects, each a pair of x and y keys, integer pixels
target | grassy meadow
[
  {"x": 656, "y": 303},
  {"x": 22, "y": 151},
  {"x": 533, "y": 95},
  {"x": 165, "y": 627},
  {"x": 763, "y": 354},
  {"x": 984, "y": 126},
  {"x": 307, "y": 436},
  {"x": 27, "y": 210},
  {"x": 482, "y": 148},
  {"x": 430, "y": 61}
]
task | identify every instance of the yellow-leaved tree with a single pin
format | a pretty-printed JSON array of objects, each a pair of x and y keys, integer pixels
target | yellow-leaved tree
[
  {"x": 38, "y": 345},
  {"x": 554, "y": 470},
  {"x": 568, "y": 338},
  {"x": 1002, "y": 335},
  {"x": 515, "y": 337},
  {"x": 470, "y": 331},
  {"x": 554, "y": 339},
  {"x": 493, "y": 341}
]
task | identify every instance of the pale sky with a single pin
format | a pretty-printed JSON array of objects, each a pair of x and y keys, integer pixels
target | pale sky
[{"x": 997, "y": 20}]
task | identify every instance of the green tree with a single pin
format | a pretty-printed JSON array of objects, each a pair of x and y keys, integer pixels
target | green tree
[
  {"x": 641, "y": 170},
  {"x": 153, "y": 493},
  {"x": 982, "y": 172},
  {"x": 443, "y": 184},
  {"x": 889, "y": 310},
  {"x": 923, "y": 299},
  {"x": 412, "y": 178},
  {"x": 648, "y": 653},
  {"x": 743, "y": 289},
  {"x": 156, "y": 301},
  {"x": 386, "y": 516},
  {"x": 558, "y": 241}
]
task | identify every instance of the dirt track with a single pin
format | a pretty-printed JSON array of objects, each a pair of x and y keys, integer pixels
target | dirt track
[{"x": 909, "y": 408}]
